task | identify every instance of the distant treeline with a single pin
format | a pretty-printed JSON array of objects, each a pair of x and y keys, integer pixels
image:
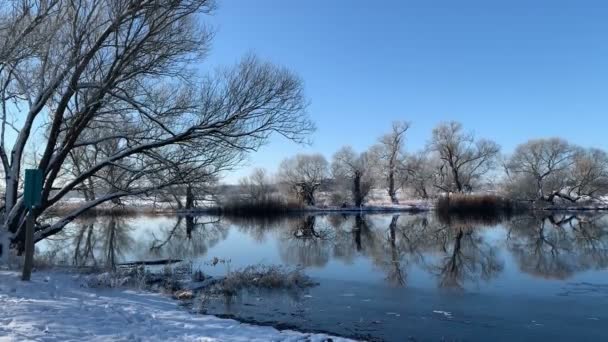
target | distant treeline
[{"x": 541, "y": 171}]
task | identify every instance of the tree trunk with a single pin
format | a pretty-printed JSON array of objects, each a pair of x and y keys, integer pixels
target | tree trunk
[
  {"x": 180, "y": 206},
  {"x": 307, "y": 194},
  {"x": 539, "y": 185},
  {"x": 189, "y": 198},
  {"x": 392, "y": 192},
  {"x": 457, "y": 179},
  {"x": 357, "y": 196},
  {"x": 10, "y": 197},
  {"x": 424, "y": 193}
]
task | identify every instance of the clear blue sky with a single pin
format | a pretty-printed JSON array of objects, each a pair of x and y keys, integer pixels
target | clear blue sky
[{"x": 508, "y": 70}]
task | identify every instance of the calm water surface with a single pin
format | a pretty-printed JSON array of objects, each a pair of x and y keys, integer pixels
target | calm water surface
[{"x": 386, "y": 277}]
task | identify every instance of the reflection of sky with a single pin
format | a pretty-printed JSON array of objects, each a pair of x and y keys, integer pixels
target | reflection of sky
[{"x": 245, "y": 246}]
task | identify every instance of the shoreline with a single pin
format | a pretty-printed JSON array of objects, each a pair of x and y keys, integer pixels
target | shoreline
[
  {"x": 54, "y": 301},
  {"x": 373, "y": 209}
]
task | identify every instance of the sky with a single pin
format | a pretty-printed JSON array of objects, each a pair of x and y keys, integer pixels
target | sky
[{"x": 509, "y": 71}]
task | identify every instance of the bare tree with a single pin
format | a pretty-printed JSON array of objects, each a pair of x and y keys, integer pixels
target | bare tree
[
  {"x": 354, "y": 169},
  {"x": 543, "y": 166},
  {"x": 589, "y": 174},
  {"x": 465, "y": 160},
  {"x": 390, "y": 156},
  {"x": 421, "y": 174},
  {"x": 73, "y": 67},
  {"x": 257, "y": 186},
  {"x": 304, "y": 174}
]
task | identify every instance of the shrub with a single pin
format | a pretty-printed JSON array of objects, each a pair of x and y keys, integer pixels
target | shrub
[{"x": 267, "y": 277}]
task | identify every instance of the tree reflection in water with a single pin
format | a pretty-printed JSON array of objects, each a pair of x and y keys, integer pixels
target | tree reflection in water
[
  {"x": 464, "y": 255},
  {"x": 190, "y": 236},
  {"x": 105, "y": 241},
  {"x": 558, "y": 245},
  {"x": 95, "y": 242},
  {"x": 306, "y": 242},
  {"x": 395, "y": 274},
  {"x": 456, "y": 251}
]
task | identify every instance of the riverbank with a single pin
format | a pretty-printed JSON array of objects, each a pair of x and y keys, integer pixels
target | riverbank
[
  {"x": 58, "y": 306},
  {"x": 407, "y": 206},
  {"x": 139, "y": 208}
]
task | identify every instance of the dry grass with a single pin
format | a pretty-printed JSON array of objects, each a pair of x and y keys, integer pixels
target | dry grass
[
  {"x": 267, "y": 207},
  {"x": 266, "y": 277},
  {"x": 118, "y": 210},
  {"x": 475, "y": 209},
  {"x": 464, "y": 203},
  {"x": 169, "y": 280}
]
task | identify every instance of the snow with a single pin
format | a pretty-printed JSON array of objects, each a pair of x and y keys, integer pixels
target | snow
[
  {"x": 57, "y": 307},
  {"x": 445, "y": 313}
]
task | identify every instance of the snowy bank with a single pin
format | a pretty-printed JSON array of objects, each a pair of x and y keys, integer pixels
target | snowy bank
[{"x": 58, "y": 307}]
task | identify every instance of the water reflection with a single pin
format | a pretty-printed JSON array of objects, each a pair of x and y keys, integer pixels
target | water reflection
[
  {"x": 93, "y": 242},
  {"x": 455, "y": 252},
  {"x": 306, "y": 242},
  {"x": 188, "y": 236},
  {"x": 465, "y": 255},
  {"x": 557, "y": 246}
]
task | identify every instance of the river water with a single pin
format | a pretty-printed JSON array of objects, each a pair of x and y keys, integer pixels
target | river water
[{"x": 383, "y": 276}]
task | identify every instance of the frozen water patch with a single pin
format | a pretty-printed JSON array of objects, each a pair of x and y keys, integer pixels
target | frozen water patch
[{"x": 446, "y": 314}]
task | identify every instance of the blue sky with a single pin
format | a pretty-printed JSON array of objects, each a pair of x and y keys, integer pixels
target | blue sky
[{"x": 508, "y": 70}]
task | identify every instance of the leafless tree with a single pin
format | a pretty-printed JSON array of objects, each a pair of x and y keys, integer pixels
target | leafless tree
[
  {"x": 257, "y": 186},
  {"x": 390, "y": 156},
  {"x": 422, "y": 168},
  {"x": 125, "y": 67},
  {"x": 542, "y": 166},
  {"x": 354, "y": 169},
  {"x": 589, "y": 174},
  {"x": 304, "y": 174},
  {"x": 464, "y": 159}
]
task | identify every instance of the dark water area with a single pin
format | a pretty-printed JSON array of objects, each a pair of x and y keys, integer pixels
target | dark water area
[{"x": 386, "y": 277}]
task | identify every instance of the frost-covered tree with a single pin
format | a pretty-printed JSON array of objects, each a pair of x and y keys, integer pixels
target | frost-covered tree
[
  {"x": 546, "y": 169},
  {"x": 589, "y": 174},
  {"x": 389, "y": 157},
  {"x": 541, "y": 167},
  {"x": 464, "y": 159},
  {"x": 353, "y": 169},
  {"x": 304, "y": 174},
  {"x": 257, "y": 186},
  {"x": 126, "y": 69},
  {"x": 421, "y": 168}
]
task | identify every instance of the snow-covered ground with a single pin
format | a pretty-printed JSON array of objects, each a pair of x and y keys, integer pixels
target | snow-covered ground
[{"x": 58, "y": 307}]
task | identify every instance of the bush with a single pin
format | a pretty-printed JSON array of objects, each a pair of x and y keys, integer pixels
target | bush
[{"x": 267, "y": 277}]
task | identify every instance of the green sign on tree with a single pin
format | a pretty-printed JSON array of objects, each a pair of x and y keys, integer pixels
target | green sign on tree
[
  {"x": 32, "y": 189},
  {"x": 32, "y": 195}
]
